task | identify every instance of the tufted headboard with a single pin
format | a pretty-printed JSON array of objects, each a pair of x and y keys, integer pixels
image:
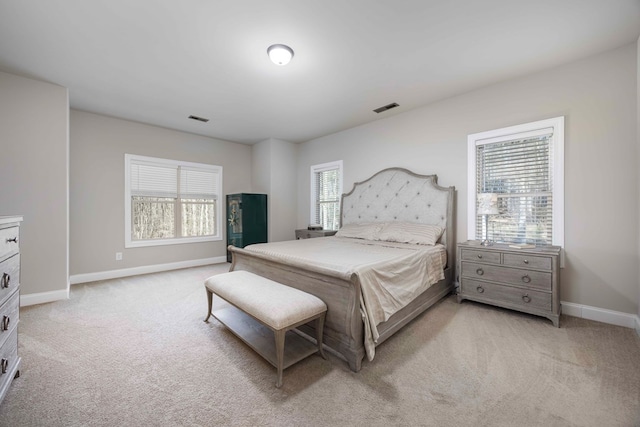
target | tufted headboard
[{"x": 397, "y": 194}]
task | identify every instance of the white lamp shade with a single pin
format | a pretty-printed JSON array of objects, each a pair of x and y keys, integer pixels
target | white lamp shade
[
  {"x": 280, "y": 54},
  {"x": 487, "y": 204}
]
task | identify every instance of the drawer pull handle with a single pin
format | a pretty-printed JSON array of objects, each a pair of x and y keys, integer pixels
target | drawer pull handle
[
  {"x": 13, "y": 239},
  {"x": 4, "y": 364},
  {"x": 480, "y": 272},
  {"x": 526, "y": 298},
  {"x": 5, "y": 323},
  {"x": 526, "y": 261},
  {"x": 480, "y": 256},
  {"x": 6, "y": 279},
  {"x": 480, "y": 289},
  {"x": 526, "y": 278}
]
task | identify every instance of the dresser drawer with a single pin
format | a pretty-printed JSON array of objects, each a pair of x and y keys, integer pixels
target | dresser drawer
[
  {"x": 511, "y": 276},
  {"x": 527, "y": 261},
  {"x": 8, "y": 242},
  {"x": 9, "y": 316},
  {"x": 9, "y": 358},
  {"x": 9, "y": 276},
  {"x": 478, "y": 255},
  {"x": 507, "y": 294}
]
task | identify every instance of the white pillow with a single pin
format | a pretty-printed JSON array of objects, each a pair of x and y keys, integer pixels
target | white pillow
[
  {"x": 408, "y": 232},
  {"x": 367, "y": 231}
]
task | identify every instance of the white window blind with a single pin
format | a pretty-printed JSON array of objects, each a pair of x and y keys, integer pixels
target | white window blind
[
  {"x": 520, "y": 172},
  {"x": 198, "y": 184},
  {"x": 326, "y": 182},
  {"x": 153, "y": 180},
  {"x": 524, "y": 166}
]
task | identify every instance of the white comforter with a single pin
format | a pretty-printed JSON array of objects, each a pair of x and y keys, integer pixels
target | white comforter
[{"x": 391, "y": 274}]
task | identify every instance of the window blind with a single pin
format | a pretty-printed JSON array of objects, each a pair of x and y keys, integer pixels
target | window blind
[
  {"x": 156, "y": 180},
  {"x": 153, "y": 180},
  {"x": 198, "y": 183},
  {"x": 520, "y": 172},
  {"x": 327, "y": 198}
]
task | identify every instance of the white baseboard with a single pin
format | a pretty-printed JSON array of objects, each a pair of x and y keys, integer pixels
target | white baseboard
[
  {"x": 43, "y": 297},
  {"x": 146, "y": 269},
  {"x": 602, "y": 315}
]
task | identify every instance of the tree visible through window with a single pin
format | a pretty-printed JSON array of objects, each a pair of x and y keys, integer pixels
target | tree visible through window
[{"x": 171, "y": 202}]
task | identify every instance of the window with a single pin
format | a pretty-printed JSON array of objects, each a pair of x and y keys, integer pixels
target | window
[
  {"x": 326, "y": 189},
  {"x": 169, "y": 202},
  {"x": 524, "y": 166}
]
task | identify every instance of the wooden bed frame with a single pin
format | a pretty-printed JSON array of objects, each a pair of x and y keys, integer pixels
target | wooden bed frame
[{"x": 393, "y": 194}]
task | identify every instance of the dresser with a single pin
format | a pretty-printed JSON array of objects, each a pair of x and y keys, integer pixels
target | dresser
[
  {"x": 246, "y": 220},
  {"x": 526, "y": 280},
  {"x": 303, "y": 233},
  {"x": 9, "y": 300}
]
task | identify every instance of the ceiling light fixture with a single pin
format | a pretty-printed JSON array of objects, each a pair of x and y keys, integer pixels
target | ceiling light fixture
[{"x": 280, "y": 54}]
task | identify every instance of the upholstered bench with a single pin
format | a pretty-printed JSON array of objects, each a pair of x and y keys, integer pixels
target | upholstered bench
[{"x": 275, "y": 306}]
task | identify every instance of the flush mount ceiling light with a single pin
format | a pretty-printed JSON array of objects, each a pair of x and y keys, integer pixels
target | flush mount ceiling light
[{"x": 280, "y": 54}]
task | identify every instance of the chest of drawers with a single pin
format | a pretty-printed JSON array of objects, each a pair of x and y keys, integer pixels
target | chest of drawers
[
  {"x": 9, "y": 301},
  {"x": 527, "y": 280}
]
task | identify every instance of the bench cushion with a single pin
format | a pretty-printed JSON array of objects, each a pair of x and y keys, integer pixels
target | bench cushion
[{"x": 274, "y": 304}]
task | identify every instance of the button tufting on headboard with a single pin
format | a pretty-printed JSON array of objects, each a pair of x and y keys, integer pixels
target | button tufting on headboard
[{"x": 396, "y": 194}]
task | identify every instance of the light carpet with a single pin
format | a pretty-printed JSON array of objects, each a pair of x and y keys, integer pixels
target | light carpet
[{"x": 135, "y": 352}]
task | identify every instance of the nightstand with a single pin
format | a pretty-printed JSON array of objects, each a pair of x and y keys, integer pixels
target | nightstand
[
  {"x": 303, "y": 233},
  {"x": 526, "y": 280}
]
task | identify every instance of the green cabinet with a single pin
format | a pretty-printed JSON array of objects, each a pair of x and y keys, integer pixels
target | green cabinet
[{"x": 246, "y": 220}]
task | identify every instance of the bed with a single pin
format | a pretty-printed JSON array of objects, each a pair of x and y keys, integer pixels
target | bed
[{"x": 373, "y": 282}]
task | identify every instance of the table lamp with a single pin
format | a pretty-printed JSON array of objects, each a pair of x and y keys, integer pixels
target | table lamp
[{"x": 487, "y": 205}]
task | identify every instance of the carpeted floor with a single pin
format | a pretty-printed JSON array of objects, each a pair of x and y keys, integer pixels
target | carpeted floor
[{"x": 135, "y": 352}]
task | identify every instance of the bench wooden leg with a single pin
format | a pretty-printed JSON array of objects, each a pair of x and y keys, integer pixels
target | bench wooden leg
[
  {"x": 210, "y": 303},
  {"x": 319, "y": 331},
  {"x": 280, "y": 335}
]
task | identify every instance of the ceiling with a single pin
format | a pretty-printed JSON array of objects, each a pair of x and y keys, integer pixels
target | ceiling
[{"x": 159, "y": 61}]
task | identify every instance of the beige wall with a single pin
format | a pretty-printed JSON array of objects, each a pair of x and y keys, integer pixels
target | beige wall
[
  {"x": 98, "y": 145},
  {"x": 34, "y": 171},
  {"x": 598, "y": 98},
  {"x": 274, "y": 173}
]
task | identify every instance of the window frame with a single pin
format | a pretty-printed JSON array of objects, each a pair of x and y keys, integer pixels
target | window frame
[
  {"x": 129, "y": 242},
  {"x": 516, "y": 132},
  {"x": 323, "y": 167}
]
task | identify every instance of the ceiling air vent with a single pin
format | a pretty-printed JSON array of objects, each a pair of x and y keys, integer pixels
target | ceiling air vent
[
  {"x": 200, "y": 119},
  {"x": 386, "y": 107}
]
